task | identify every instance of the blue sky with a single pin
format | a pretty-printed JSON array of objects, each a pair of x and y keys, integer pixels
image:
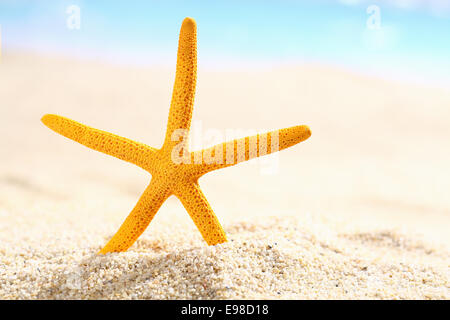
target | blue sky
[{"x": 413, "y": 37}]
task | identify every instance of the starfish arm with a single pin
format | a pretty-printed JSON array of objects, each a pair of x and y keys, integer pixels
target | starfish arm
[
  {"x": 195, "y": 203},
  {"x": 139, "y": 218},
  {"x": 230, "y": 153},
  {"x": 111, "y": 144},
  {"x": 180, "y": 113}
]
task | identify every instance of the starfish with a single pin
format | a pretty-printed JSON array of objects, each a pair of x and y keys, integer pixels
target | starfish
[{"x": 174, "y": 169}]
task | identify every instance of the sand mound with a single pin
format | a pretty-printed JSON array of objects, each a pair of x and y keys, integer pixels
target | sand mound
[{"x": 274, "y": 258}]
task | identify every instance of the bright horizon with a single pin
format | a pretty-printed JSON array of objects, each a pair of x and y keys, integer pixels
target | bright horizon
[{"x": 404, "y": 38}]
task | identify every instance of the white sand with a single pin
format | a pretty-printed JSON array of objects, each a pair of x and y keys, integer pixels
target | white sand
[
  {"x": 274, "y": 258},
  {"x": 361, "y": 210}
]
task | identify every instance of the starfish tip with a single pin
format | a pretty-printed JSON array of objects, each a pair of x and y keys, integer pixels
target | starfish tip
[
  {"x": 189, "y": 24},
  {"x": 47, "y": 119},
  {"x": 299, "y": 133},
  {"x": 307, "y": 131}
]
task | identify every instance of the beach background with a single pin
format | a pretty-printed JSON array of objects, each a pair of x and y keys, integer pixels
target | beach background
[{"x": 359, "y": 210}]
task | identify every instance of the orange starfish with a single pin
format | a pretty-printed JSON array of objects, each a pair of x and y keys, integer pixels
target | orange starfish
[{"x": 175, "y": 170}]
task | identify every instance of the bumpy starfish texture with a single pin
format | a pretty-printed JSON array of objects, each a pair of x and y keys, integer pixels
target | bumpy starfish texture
[{"x": 175, "y": 170}]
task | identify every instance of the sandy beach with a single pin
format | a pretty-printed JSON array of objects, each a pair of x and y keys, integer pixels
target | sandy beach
[{"x": 360, "y": 210}]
